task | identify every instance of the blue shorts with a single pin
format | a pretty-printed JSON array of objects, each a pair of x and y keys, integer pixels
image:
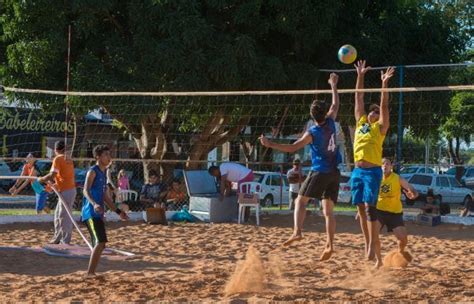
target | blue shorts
[
  {"x": 41, "y": 199},
  {"x": 365, "y": 185}
]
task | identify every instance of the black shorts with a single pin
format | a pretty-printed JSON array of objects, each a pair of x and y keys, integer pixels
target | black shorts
[
  {"x": 321, "y": 185},
  {"x": 390, "y": 219},
  {"x": 96, "y": 227}
]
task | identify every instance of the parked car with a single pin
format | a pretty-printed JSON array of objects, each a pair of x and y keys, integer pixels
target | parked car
[
  {"x": 407, "y": 172},
  {"x": 274, "y": 187},
  {"x": 445, "y": 187},
  {"x": 8, "y": 169},
  {"x": 345, "y": 194},
  {"x": 467, "y": 179}
]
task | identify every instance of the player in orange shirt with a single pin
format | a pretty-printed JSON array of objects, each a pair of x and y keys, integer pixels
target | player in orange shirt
[{"x": 62, "y": 173}]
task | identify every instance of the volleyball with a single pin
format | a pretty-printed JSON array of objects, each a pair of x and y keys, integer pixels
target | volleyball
[{"x": 347, "y": 54}]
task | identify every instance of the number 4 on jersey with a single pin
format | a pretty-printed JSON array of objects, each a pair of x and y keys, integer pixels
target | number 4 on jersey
[{"x": 332, "y": 144}]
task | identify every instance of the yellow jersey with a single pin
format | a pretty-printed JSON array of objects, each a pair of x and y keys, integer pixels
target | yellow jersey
[
  {"x": 368, "y": 141},
  {"x": 390, "y": 194}
]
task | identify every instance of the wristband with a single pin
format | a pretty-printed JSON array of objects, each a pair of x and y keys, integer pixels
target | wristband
[{"x": 118, "y": 211}]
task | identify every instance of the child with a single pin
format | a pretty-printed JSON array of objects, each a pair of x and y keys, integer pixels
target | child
[
  {"x": 30, "y": 169},
  {"x": 431, "y": 203},
  {"x": 154, "y": 192},
  {"x": 122, "y": 180},
  {"x": 95, "y": 195},
  {"x": 175, "y": 196}
]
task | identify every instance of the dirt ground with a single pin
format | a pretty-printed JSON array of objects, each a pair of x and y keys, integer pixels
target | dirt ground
[{"x": 197, "y": 262}]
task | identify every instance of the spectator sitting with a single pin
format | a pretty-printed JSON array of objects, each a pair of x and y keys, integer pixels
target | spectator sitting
[
  {"x": 175, "y": 197},
  {"x": 467, "y": 209},
  {"x": 431, "y": 203},
  {"x": 154, "y": 192}
]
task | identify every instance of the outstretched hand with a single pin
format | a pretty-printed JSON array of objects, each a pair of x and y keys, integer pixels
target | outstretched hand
[
  {"x": 264, "y": 141},
  {"x": 333, "y": 79},
  {"x": 387, "y": 75},
  {"x": 361, "y": 68},
  {"x": 409, "y": 194}
]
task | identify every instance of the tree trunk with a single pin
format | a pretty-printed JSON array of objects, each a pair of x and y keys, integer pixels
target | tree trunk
[
  {"x": 454, "y": 155},
  {"x": 215, "y": 133},
  {"x": 248, "y": 149}
]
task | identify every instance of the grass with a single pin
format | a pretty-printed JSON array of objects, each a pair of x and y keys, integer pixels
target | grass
[
  {"x": 5, "y": 212},
  {"x": 337, "y": 207}
]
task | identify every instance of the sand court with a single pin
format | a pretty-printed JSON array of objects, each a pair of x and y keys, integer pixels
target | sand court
[{"x": 225, "y": 262}]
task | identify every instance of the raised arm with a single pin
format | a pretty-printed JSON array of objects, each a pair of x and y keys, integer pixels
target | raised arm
[
  {"x": 361, "y": 69},
  {"x": 334, "y": 109},
  {"x": 288, "y": 148},
  {"x": 384, "y": 119},
  {"x": 26, "y": 182}
]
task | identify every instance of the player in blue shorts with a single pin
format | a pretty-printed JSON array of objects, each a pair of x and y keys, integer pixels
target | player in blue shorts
[
  {"x": 323, "y": 180},
  {"x": 367, "y": 175},
  {"x": 95, "y": 195}
]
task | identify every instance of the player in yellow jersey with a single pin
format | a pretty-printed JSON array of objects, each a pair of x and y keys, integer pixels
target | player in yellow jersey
[
  {"x": 365, "y": 181},
  {"x": 389, "y": 205}
]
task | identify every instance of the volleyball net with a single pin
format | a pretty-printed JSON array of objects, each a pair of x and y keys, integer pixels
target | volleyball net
[{"x": 167, "y": 132}]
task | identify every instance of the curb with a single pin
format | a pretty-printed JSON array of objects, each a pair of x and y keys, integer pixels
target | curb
[{"x": 140, "y": 216}]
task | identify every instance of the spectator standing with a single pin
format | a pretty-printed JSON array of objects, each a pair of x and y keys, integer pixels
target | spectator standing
[{"x": 295, "y": 178}]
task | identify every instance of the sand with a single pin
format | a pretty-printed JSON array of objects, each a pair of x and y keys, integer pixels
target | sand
[{"x": 213, "y": 263}]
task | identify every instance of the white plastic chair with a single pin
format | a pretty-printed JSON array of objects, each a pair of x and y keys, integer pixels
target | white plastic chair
[
  {"x": 127, "y": 195},
  {"x": 249, "y": 197}
]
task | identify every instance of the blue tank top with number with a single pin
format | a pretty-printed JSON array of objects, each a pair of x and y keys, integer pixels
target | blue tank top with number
[
  {"x": 97, "y": 191},
  {"x": 324, "y": 153}
]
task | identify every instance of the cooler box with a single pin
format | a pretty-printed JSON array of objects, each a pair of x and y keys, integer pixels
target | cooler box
[
  {"x": 428, "y": 220},
  {"x": 204, "y": 202}
]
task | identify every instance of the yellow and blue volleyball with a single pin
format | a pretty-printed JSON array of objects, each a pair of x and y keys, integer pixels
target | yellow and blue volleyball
[{"x": 347, "y": 54}]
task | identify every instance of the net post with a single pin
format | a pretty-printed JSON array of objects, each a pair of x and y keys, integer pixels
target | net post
[{"x": 400, "y": 120}]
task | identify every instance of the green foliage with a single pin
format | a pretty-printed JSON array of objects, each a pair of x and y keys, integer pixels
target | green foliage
[
  {"x": 177, "y": 45},
  {"x": 460, "y": 123}
]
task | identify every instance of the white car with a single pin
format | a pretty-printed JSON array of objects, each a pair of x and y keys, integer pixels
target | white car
[
  {"x": 445, "y": 187},
  {"x": 345, "y": 194},
  {"x": 274, "y": 189},
  {"x": 467, "y": 179},
  {"x": 407, "y": 172}
]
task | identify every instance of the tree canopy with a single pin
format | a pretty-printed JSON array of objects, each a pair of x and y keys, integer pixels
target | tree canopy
[{"x": 177, "y": 45}]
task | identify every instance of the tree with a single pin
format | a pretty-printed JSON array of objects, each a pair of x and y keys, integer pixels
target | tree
[
  {"x": 459, "y": 127},
  {"x": 209, "y": 45}
]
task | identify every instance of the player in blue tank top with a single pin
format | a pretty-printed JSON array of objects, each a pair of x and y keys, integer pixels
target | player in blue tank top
[
  {"x": 95, "y": 195},
  {"x": 323, "y": 180}
]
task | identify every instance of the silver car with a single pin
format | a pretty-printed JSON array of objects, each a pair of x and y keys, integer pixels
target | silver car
[
  {"x": 445, "y": 187},
  {"x": 467, "y": 179}
]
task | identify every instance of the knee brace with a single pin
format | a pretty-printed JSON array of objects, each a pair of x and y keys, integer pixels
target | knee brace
[{"x": 371, "y": 212}]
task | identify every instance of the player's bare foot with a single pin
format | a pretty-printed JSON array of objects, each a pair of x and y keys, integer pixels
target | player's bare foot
[
  {"x": 370, "y": 255},
  {"x": 292, "y": 239},
  {"x": 95, "y": 276},
  {"x": 326, "y": 255},
  {"x": 378, "y": 264}
]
